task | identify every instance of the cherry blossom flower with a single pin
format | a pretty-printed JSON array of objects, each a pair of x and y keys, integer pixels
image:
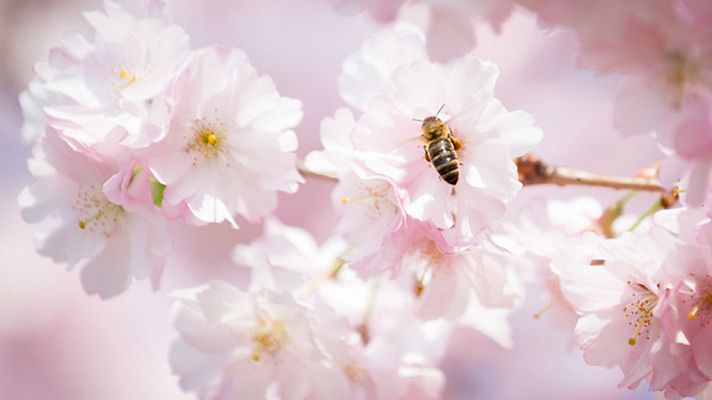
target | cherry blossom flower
[
  {"x": 689, "y": 270},
  {"x": 386, "y": 139},
  {"x": 383, "y": 363},
  {"x": 82, "y": 221},
  {"x": 236, "y": 344},
  {"x": 109, "y": 88},
  {"x": 229, "y": 147},
  {"x": 372, "y": 217},
  {"x": 447, "y": 282},
  {"x": 287, "y": 259},
  {"x": 544, "y": 232},
  {"x": 490, "y": 135},
  {"x": 618, "y": 287}
]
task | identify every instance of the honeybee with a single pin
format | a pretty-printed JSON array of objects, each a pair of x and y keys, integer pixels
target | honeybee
[{"x": 441, "y": 148}]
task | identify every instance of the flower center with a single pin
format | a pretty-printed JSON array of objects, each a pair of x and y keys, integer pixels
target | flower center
[
  {"x": 124, "y": 77},
  {"x": 269, "y": 338},
  {"x": 639, "y": 311},
  {"x": 431, "y": 260},
  {"x": 96, "y": 213},
  {"x": 701, "y": 308},
  {"x": 208, "y": 140}
]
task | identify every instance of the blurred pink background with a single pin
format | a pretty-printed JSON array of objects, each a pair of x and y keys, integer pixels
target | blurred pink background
[{"x": 57, "y": 343}]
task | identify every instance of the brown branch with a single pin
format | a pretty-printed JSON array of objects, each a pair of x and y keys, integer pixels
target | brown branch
[{"x": 533, "y": 171}]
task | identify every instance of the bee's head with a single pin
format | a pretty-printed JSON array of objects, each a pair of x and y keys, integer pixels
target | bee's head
[{"x": 431, "y": 128}]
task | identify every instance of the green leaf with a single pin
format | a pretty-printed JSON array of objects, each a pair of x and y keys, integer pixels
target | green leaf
[{"x": 157, "y": 189}]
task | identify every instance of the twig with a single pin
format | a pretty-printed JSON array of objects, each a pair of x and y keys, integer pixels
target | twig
[{"x": 533, "y": 171}]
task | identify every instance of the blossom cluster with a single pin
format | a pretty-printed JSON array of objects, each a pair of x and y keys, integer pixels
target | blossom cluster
[
  {"x": 637, "y": 300},
  {"x": 132, "y": 130}
]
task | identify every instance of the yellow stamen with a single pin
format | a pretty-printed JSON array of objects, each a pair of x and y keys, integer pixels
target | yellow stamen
[
  {"x": 632, "y": 340},
  {"x": 693, "y": 313},
  {"x": 270, "y": 338},
  {"x": 101, "y": 212}
]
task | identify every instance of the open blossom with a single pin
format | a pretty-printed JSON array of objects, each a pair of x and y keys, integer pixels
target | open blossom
[
  {"x": 544, "y": 231},
  {"x": 372, "y": 358},
  {"x": 689, "y": 268},
  {"x": 490, "y": 136},
  {"x": 446, "y": 283},
  {"x": 619, "y": 289},
  {"x": 108, "y": 88},
  {"x": 381, "y": 362},
  {"x": 236, "y": 344},
  {"x": 82, "y": 220},
  {"x": 229, "y": 147},
  {"x": 372, "y": 218},
  {"x": 386, "y": 142}
]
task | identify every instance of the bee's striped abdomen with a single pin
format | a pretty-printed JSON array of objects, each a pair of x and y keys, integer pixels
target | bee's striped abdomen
[{"x": 444, "y": 158}]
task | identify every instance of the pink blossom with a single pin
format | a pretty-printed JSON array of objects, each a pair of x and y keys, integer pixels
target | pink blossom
[
  {"x": 448, "y": 282},
  {"x": 689, "y": 270},
  {"x": 109, "y": 88},
  {"x": 372, "y": 361},
  {"x": 236, "y": 344},
  {"x": 372, "y": 218},
  {"x": 544, "y": 232},
  {"x": 490, "y": 135},
  {"x": 385, "y": 142},
  {"x": 618, "y": 286},
  {"x": 83, "y": 221},
  {"x": 382, "y": 363},
  {"x": 229, "y": 147}
]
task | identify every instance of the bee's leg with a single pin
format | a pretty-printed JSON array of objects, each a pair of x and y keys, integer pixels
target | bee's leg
[{"x": 425, "y": 154}]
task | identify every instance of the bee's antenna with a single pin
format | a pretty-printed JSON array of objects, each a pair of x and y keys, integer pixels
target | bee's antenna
[
  {"x": 416, "y": 119},
  {"x": 440, "y": 109}
]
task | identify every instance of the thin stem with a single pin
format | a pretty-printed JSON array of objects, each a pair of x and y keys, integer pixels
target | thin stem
[
  {"x": 612, "y": 213},
  {"x": 533, "y": 171},
  {"x": 650, "y": 211}
]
